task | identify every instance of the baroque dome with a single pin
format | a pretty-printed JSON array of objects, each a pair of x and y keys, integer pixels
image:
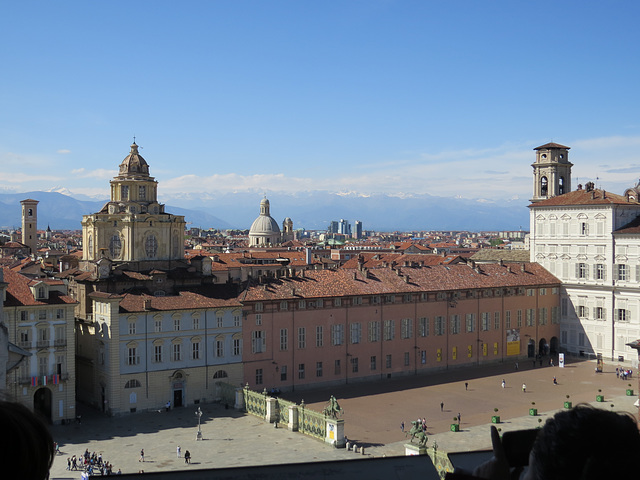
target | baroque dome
[
  {"x": 264, "y": 229},
  {"x": 134, "y": 164}
]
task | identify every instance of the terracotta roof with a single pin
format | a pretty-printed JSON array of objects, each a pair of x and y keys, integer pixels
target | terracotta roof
[
  {"x": 583, "y": 197},
  {"x": 375, "y": 260},
  {"x": 380, "y": 281},
  {"x": 495, "y": 255},
  {"x": 19, "y": 293},
  {"x": 185, "y": 301},
  {"x": 550, "y": 146}
]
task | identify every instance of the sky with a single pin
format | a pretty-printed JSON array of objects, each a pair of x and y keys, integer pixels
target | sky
[{"x": 360, "y": 96}]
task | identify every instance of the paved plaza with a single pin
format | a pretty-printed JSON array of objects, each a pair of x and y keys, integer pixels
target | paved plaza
[{"x": 373, "y": 414}]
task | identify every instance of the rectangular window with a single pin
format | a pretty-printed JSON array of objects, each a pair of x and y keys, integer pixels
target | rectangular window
[
  {"x": 24, "y": 316},
  {"x": 374, "y": 365},
  {"x": 424, "y": 327},
  {"x": 530, "y": 292},
  {"x": 356, "y": 332},
  {"x": 60, "y": 335},
  {"x": 258, "y": 307},
  {"x": 374, "y": 331},
  {"x": 531, "y": 317},
  {"x": 496, "y": 320},
  {"x": 507, "y": 319},
  {"x": 407, "y": 328},
  {"x": 257, "y": 341},
  {"x": 132, "y": 328},
  {"x": 236, "y": 321},
  {"x": 389, "y": 299},
  {"x": 158, "y": 353},
  {"x": 542, "y": 291},
  {"x": 600, "y": 312},
  {"x": 406, "y": 359},
  {"x": 237, "y": 347},
  {"x": 43, "y": 366},
  {"x": 258, "y": 319},
  {"x": 284, "y": 305},
  {"x": 157, "y": 325},
  {"x": 337, "y": 335},
  {"x": 196, "y": 323},
  {"x": 581, "y": 270},
  {"x": 42, "y": 315},
  {"x": 301, "y": 371},
  {"x": 354, "y": 364},
  {"x": 356, "y": 301},
  {"x": 177, "y": 352},
  {"x": 219, "y": 322},
  {"x": 337, "y": 302},
  {"x": 219, "y": 348},
  {"x": 132, "y": 358},
  {"x": 318, "y": 369},
  {"x": 622, "y": 315},
  {"x": 302, "y": 304},
  {"x": 423, "y": 357},
  {"x": 519, "y": 318},
  {"x": 622, "y": 272},
  {"x": 454, "y": 324},
  {"x": 319, "y": 336},
  {"x": 283, "y": 373},
  {"x": 60, "y": 313},
  {"x": 389, "y": 329},
  {"x": 542, "y": 316},
  {"x": 555, "y": 319},
  {"x": 336, "y": 367},
  {"x": 485, "y": 320},
  {"x": 176, "y": 324},
  {"x": 258, "y": 376},
  {"x": 284, "y": 339},
  {"x": 471, "y": 322},
  {"x": 439, "y": 325},
  {"x": 388, "y": 361},
  {"x": 124, "y": 192},
  {"x": 142, "y": 192},
  {"x": 302, "y": 337},
  {"x": 195, "y": 351}
]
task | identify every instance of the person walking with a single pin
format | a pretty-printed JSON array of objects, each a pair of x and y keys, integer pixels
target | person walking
[
  {"x": 401, "y": 429},
  {"x": 466, "y": 385},
  {"x": 555, "y": 381},
  {"x": 524, "y": 388},
  {"x": 442, "y": 406},
  {"x": 459, "y": 418},
  {"x": 516, "y": 366},
  {"x": 187, "y": 456},
  {"x": 178, "y": 450},
  {"x": 141, "y": 455},
  {"x": 504, "y": 384}
]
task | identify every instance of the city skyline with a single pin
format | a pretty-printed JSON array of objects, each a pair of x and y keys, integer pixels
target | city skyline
[{"x": 395, "y": 98}]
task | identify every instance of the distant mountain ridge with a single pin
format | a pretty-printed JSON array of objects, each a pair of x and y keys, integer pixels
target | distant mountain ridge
[{"x": 311, "y": 210}]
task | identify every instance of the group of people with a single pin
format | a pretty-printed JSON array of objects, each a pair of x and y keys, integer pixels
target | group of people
[
  {"x": 623, "y": 373},
  {"x": 187, "y": 454},
  {"x": 91, "y": 463}
]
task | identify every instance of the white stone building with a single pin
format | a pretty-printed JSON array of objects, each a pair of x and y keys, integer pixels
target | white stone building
[{"x": 590, "y": 240}]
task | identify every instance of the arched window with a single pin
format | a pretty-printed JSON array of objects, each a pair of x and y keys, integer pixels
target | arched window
[
  {"x": 220, "y": 374},
  {"x": 151, "y": 246},
  {"x": 132, "y": 384},
  {"x": 561, "y": 186},
  {"x": 90, "y": 246},
  {"x": 115, "y": 246},
  {"x": 544, "y": 186}
]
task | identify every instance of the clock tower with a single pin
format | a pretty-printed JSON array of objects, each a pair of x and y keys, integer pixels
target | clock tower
[{"x": 551, "y": 171}]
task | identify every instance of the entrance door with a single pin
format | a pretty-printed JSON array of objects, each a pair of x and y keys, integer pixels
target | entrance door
[
  {"x": 531, "y": 349},
  {"x": 177, "y": 398},
  {"x": 42, "y": 402}
]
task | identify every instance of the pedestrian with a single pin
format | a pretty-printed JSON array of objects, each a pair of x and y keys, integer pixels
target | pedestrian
[
  {"x": 516, "y": 366},
  {"x": 69, "y": 463},
  {"x": 466, "y": 385},
  {"x": 524, "y": 388},
  {"x": 187, "y": 456},
  {"x": 424, "y": 422},
  {"x": 442, "y": 406},
  {"x": 504, "y": 384},
  {"x": 141, "y": 455},
  {"x": 459, "y": 418},
  {"x": 617, "y": 372},
  {"x": 555, "y": 381},
  {"x": 178, "y": 450},
  {"x": 401, "y": 429}
]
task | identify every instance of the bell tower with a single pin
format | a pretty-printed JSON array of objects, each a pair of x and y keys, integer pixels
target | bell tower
[
  {"x": 30, "y": 224},
  {"x": 551, "y": 171}
]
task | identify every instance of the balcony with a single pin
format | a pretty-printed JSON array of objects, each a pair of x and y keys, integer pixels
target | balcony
[
  {"x": 26, "y": 344},
  {"x": 26, "y": 380},
  {"x": 60, "y": 342},
  {"x": 43, "y": 343}
]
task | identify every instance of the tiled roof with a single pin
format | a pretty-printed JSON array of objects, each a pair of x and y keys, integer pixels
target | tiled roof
[
  {"x": 583, "y": 197},
  {"x": 549, "y": 146},
  {"x": 19, "y": 293},
  {"x": 380, "y": 281},
  {"x": 495, "y": 255},
  {"x": 374, "y": 260},
  {"x": 185, "y": 301}
]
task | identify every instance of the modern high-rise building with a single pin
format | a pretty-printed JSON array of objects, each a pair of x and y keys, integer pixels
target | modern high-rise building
[{"x": 358, "y": 233}]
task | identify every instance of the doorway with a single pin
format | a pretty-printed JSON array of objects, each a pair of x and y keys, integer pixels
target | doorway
[
  {"x": 177, "y": 398},
  {"x": 42, "y": 403}
]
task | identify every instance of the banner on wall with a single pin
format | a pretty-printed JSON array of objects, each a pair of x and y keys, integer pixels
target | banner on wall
[
  {"x": 561, "y": 360},
  {"x": 513, "y": 341}
]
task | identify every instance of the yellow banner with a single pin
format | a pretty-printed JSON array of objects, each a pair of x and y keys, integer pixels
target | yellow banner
[
  {"x": 455, "y": 353},
  {"x": 469, "y": 351},
  {"x": 513, "y": 348},
  {"x": 439, "y": 355}
]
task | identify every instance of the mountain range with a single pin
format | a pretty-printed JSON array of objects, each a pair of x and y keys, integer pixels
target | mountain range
[{"x": 311, "y": 210}]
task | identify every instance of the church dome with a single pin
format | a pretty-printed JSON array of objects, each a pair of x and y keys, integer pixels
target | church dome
[
  {"x": 264, "y": 229},
  {"x": 134, "y": 164}
]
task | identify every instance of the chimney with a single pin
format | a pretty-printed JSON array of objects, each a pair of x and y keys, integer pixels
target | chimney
[
  {"x": 293, "y": 292},
  {"x": 302, "y": 273},
  {"x": 406, "y": 279},
  {"x": 355, "y": 275},
  {"x": 501, "y": 262},
  {"x": 522, "y": 267}
]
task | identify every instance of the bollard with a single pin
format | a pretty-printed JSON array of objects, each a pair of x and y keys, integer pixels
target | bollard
[
  {"x": 348, "y": 446},
  {"x": 355, "y": 448},
  {"x": 362, "y": 450}
]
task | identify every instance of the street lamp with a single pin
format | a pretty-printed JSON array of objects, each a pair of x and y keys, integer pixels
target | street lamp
[{"x": 199, "y": 414}]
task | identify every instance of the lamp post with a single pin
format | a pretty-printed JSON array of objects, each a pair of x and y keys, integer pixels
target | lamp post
[{"x": 199, "y": 414}]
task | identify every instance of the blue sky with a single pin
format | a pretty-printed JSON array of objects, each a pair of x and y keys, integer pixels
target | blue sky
[{"x": 400, "y": 97}]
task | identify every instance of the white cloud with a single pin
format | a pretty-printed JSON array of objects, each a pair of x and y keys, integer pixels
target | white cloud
[
  {"x": 100, "y": 173},
  {"x": 63, "y": 151}
]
